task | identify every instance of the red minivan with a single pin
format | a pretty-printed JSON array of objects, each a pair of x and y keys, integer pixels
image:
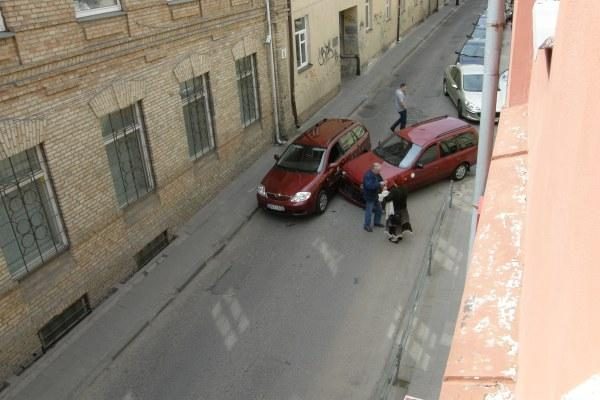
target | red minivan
[
  {"x": 308, "y": 172},
  {"x": 416, "y": 156}
]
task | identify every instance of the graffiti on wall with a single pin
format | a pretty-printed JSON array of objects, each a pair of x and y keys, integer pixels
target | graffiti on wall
[{"x": 328, "y": 51}]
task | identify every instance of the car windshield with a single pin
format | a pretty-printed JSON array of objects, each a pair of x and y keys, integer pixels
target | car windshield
[
  {"x": 473, "y": 50},
  {"x": 301, "y": 158},
  {"x": 398, "y": 151},
  {"x": 473, "y": 82}
]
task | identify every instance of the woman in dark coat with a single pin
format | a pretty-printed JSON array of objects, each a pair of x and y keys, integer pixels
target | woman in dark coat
[{"x": 398, "y": 196}]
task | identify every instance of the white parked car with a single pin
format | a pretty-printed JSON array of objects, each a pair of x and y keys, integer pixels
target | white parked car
[{"x": 464, "y": 85}]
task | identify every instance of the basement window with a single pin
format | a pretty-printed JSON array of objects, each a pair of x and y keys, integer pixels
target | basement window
[
  {"x": 62, "y": 323},
  {"x": 153, "y": 248}
]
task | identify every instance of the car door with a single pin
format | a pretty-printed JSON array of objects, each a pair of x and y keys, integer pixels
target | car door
[
  {"x": 427, "y": 168},
  {"x": 454, "y": 84},
  {"x": 341, "y": 150},
  {"x": 466, "y": 143}
]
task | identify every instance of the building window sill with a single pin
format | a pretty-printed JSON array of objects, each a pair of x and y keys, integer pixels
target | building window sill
[
  {"x": 6, "y": 35},
  {"x": 177, "y": 2},
  {"x": 97, "y": 17},
  {"x": 304, "y": 68}
]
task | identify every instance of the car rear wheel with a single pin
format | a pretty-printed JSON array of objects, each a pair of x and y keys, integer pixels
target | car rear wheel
[
  {"x": 445, "y": 88},
  {"x": 460, "y": 172},
  {"x": 322, "y": 201}
]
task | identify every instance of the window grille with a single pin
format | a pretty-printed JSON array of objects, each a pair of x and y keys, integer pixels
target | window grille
[
  {"x": 31, "y": 228},
  {"x": 128, "y": 158},
  {"x": 197, "y": 113},
  {"x": 248, "y": 89},
  {"x": 86, "y": 8},
  {"x": 62, "y": 323}
]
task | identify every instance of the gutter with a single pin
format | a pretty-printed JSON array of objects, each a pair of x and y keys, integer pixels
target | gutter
[
  {"x": 269, "y": 41},
  {"x": 291, "y": 63}
]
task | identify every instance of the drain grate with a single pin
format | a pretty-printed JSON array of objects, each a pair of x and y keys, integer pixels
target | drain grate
[{"x": 62, "y": 323}]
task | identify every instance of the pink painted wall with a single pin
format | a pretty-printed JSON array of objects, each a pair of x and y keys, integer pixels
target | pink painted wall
[
  {"x": 559, "y": 320},
  {"x": 521, "y": 53}
]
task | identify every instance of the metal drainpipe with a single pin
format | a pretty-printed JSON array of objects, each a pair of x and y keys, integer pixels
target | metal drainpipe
[
  {"x": 493, "y": 48},
  {"x": 269, "y": 40},
  {"x": 292, "y": 65}
]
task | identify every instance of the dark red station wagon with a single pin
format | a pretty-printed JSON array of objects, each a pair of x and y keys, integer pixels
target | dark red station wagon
[
  {"x": 308, "y": 172},
  {"x": 416, "y": 156}
]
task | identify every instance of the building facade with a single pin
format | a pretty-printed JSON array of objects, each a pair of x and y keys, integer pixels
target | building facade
[
  {"x": 119, "y": 119},
  {"x": 336, "y": 39}
]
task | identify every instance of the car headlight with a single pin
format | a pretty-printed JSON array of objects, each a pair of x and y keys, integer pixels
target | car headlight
[
  {"x": 261, "y": 190},
  {"x": 472, "y": 106},
  {"x": 300, "y": 197}
]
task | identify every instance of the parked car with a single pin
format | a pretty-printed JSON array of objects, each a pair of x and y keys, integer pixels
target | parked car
[
  {"x": 416, "y": 156},
  {"x": 472, "y": 52},
  {"x": 478, "y": 33},
  {"x": 308, "y": 172},
  {"x": 464, "y": 85}
]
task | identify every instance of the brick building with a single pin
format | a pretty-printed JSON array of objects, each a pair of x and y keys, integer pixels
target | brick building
[{"x": 118, "y": 120}]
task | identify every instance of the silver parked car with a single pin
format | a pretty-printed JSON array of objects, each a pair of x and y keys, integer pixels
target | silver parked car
[{"x": 464, "y": 85}]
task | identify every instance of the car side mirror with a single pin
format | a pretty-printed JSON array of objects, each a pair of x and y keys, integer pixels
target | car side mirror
[
  {"x": 420, "y": 165},
  {"x": 469, "y": 36},
  {"x": 457, "y": 52},
  {"x": 276, "y": 157}
]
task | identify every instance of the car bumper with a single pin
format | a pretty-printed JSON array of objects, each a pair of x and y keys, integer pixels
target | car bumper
[
  {"x": 286, "y": 206},
  {"x": 476, "y": 116},
  {"x": 351, "y": 192}
]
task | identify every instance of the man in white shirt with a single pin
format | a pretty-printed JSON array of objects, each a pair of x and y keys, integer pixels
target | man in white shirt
[{"x": 400, "y": 103}]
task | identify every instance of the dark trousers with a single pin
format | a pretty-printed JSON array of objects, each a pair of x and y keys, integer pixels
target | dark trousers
[{"x": 401, "y": 121}]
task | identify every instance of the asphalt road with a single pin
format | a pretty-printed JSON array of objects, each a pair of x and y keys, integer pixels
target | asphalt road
[{"x": 296, "y": 309}]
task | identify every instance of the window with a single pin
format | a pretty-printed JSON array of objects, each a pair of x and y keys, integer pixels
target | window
[
  {"x": 448, "y": 147},
  {"x": 368, "y": 14},
  {"x": 347, "y": 141},
  {"x": 248, "y": 89},
  {"x": 429, "y": 155},
  {"x": 31, "y": 229},
  {"x": 301, "y": 158},
  {"x": 86, "y": 8},
  {"x": 388, "y": 9},
  {"x": 466, "y": 140},
  {"x": 359, "y": 132},
  {"x": 197, "y": 113},
  {"x": 125, "y": 144},
  {"x": 2, "y": 26},
  {"x": 301, "y": 27}
]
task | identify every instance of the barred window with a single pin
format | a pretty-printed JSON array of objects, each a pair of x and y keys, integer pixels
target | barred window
[
  {"x": 368, "y": 14},
  {"x": 125, "y": 143},
  {"x": 248, "y": 89},
  {"x": 86, "y": 8},
  {"x": 388, "y": 9},
  {"x": 197, "y": 112},
  {"x": 31, "y": 229},
  {"x": 301, "y": 30}
]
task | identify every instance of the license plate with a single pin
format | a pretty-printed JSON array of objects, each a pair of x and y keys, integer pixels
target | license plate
[{"x": 275, "y": 207}]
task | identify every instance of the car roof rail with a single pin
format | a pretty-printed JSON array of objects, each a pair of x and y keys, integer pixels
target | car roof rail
[{"x": 429, "y": 120}]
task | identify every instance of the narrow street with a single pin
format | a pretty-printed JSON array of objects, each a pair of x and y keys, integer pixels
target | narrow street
[{"x": 296, "y": 308}]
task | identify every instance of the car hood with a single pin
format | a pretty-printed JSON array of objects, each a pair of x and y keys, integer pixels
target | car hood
[
  {"x": 477, "y": 99},
  {"x": 285, "y": 182},
  {"x": 356, "y": 168}
]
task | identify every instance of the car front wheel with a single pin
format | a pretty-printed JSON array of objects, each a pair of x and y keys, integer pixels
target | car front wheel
[
  {"x": 460, "y": 172},
  {"x": 322, "y": 201}
]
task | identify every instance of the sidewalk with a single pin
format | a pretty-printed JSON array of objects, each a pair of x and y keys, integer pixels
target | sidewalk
[
  {"x": 424, "y": 360},
  {"x": 91, "y": 347}
]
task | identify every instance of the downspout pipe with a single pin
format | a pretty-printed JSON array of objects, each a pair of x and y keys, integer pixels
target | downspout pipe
[
  {"x": 493, "y": 49},
  {"x": 292, "y": 65},
  {"x": 269, "y": 40}
]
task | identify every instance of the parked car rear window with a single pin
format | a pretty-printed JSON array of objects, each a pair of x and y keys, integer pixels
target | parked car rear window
[
  {"x": 473, "y": 82},
  {"x": 398, "y": 151},
  {"x": 465, "y": 140},
  {"x": 473, "y": 50},
  {"x": 302, "y": 158},
  {"x": 359, "y": 131}
]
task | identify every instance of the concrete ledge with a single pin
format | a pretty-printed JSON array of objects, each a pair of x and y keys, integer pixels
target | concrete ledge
[{"x": 483, "y": 356}]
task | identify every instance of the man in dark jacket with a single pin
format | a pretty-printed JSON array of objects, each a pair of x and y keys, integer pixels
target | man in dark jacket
[
  {"x": 372, "y": 184},
  {"x": 398, "y": 196}
]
